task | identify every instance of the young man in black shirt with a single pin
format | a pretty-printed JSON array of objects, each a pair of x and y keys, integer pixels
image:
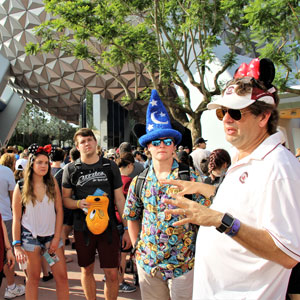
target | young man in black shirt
[{"x": 92, "y": 172}]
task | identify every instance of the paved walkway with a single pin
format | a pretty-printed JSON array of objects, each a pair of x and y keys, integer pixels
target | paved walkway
[{"x": 47, "y": 289}]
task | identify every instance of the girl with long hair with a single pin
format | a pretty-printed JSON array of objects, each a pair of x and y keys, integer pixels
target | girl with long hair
[
  {"x": 37, "y": 223},
  {"x": 219, "y": 162}
]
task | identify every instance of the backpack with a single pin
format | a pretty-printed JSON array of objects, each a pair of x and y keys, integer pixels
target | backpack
[
  {"x": 183, "y": 174},
  {"x": 20, "y": 184},
  {"x": 58, "y": 176}
]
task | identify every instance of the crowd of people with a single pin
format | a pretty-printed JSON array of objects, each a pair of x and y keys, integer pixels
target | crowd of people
[{"x": 190, "y": 223}]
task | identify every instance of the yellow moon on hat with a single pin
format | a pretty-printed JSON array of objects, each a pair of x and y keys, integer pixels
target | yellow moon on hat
[{"x": 154, "y": 120}]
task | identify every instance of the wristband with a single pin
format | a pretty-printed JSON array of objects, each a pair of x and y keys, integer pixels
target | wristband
[
  {"x": 125, "y": 227},
  {"x": 8, "y": 248},
  {"x": 78, "y": 201},
  {"x": 16, "y": 242},
  {"x": 234, "y": 228}
]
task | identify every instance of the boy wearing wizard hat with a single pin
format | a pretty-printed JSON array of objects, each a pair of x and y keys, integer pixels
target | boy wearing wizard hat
[{"x": 164, "y": 253}]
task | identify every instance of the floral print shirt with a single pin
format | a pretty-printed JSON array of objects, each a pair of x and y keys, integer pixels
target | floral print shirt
[{"x": 161, "y": 245}]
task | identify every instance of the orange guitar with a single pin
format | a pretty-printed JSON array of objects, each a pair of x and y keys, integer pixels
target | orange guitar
[{"x": 97, "y": 217}]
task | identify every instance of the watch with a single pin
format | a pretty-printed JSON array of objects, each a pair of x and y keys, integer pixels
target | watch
[{"x": 227, "y": 222}]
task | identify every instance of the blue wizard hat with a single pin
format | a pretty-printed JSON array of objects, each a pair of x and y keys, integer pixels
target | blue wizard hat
[{"x": 158, "y": 124}]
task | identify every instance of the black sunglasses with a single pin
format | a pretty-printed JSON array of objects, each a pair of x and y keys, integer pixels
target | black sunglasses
[{"x": 235, "y": 114}]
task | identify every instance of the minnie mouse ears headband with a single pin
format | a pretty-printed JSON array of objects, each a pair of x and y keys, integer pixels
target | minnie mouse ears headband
[
  {"x": 262, "y": 70},
  {"x": 35, "y": 149}
]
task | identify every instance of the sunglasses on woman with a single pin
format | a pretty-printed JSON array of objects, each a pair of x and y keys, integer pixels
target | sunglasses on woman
[
  {"x": 235, "y": 114},
  {"x": 167, "y": 142}
]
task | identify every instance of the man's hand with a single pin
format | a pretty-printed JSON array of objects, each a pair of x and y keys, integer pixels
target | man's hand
[
  {"x": 190, "y": 187},
  {"x": 83, "y": 204},
  {"x": 192, "y": 212},
  {"x": 126, "y": 243}
]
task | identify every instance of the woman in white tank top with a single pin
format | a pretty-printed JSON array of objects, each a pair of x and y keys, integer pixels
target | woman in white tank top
[{"x": 37, "y": 223}]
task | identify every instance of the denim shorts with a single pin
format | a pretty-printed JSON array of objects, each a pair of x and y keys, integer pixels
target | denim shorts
[{"x": 29, "y": 242}]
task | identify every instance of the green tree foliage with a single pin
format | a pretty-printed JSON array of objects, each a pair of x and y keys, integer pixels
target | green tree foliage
[
  {"x": 274, "y": 25},
  {"x": 36, "y": 126},
  {"x": 174, "y": 39}
]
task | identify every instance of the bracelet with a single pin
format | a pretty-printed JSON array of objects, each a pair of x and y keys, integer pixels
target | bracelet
[
  {"x": 8, "y": 248},
  {"x": 234, "y": 228},
  {"x": 16, "y": 242},
  {"x": 78, "y": 201},
  {"x": 125, "y": 227}
]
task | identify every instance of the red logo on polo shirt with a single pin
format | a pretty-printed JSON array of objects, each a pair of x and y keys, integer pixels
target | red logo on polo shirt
[{"x": 243, "y": 177}]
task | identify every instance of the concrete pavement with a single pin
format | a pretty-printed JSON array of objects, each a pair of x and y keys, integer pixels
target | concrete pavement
[{"x": 47, "y": 289}]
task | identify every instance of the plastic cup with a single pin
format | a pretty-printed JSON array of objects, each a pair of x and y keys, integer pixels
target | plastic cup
[{"x": 23, "y": 266}]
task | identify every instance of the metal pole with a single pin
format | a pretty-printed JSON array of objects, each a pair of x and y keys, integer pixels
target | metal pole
[{"x": 83, "y": 113}]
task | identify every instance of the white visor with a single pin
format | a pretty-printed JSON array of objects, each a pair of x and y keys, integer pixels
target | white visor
[{"x": 232, "y": 100}]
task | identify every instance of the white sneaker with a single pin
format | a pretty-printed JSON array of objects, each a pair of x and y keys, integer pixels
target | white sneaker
[{"x": 19, "y": 290}]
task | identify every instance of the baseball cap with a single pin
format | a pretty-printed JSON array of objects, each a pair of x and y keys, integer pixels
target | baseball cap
[
  {"x": 231, "y": 99},
  {"x": 21, "y": 164},
  {"x": 200, "y": 140}
]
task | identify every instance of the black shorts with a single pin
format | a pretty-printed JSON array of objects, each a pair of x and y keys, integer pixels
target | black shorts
[
  {"x": 68, "y": 217},
  {"x": 107, "y": 244},
  {"x": 294, "y": 283}
]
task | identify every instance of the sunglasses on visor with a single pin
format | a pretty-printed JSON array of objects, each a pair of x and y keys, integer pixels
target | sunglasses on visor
[
  {"x": 235, "y": 114},
  {"x": 167, "y": 142}
]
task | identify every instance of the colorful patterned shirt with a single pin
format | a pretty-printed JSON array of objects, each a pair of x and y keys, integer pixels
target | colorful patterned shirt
[{"x": 161, "y": 245}]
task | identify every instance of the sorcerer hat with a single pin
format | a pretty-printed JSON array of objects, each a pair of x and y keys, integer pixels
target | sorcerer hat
[{"x": 158, "y": 123}]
